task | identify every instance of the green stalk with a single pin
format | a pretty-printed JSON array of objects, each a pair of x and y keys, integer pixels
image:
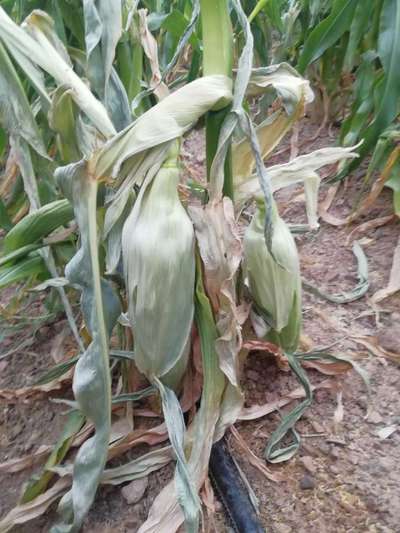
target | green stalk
[
  {"x": 217, "y": 59},
  {"x": 259, "y": 6}
]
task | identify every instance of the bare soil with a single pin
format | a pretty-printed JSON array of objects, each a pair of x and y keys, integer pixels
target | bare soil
[{"x": 345, "y": 477}]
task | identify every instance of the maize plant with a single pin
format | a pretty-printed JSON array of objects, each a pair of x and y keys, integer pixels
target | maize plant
[{"x": 165, "y": 274}]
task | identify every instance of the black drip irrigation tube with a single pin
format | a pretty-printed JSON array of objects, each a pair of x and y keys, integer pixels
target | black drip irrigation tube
[{"x": 230, "y": 489}]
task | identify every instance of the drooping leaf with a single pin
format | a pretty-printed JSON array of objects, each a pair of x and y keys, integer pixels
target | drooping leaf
[
  {"x": 34, "y": 45},
  {"x": 91, "y": 385},
  {"x": 15, "y": 112},
  {"x": 103, "y": 28},
  {"x": 358, "y": 291}
]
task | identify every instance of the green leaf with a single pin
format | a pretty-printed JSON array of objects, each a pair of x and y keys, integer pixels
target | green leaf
[
  {"x": 389, "y": 53},
  {"x": 62, "y": 119},
  {"x": 176, "y": 24},
  {"x": 5, "y": 221},
  {"x": 32, "y": 266},
  {"x": 38, "y": 224},
  {"x": 358, "y": 29},
  {"x": 327, "y": 32},
  {"x": 273, "y": 453},
  {"x": 363, "y": 96},
  {"x": 17, "y": 254},
  {"x": 3, "y": 141}
]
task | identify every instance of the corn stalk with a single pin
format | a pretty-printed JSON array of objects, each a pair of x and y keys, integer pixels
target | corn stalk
[{"x": 169, "y": 270}]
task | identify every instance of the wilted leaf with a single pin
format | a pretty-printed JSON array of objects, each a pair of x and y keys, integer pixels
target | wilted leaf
[
  {"x": 394, "y": 278},
  {"x": 28, "y": 511}
]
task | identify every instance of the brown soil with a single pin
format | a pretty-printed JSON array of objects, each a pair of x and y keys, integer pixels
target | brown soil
[{"x": 345, "y": 477}]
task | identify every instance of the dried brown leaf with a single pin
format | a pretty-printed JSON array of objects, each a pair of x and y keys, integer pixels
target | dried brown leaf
[
  {"x": 367, "y": 226},
  {"x": 251, "y": 457},
  {"x": 373, "y": 346},
  {"x": 394, "y": 279},
  {"x": 28, "y": 511},
  {"x": 258, "y": 411},
  {"x": 26, "y": 461},
  {"x": 35, "y": 392}
]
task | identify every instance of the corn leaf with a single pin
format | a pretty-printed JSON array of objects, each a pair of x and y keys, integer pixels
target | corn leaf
[
  {"x": 358, "y": 291},
  {"x": 141, "y": 467},
  {"x": 103, "y": 28},
  {"x": 294, "y": 91},
  {"x": 31, "y": 266},
  {"x": 38, "y": 224},
  {"x": 28, "y": 511},
  {"x": 91, "y": 385},
  {"x": 389, "y": 54},
  {"x": 5, "y": 221},
  {"x": 12, "y": 257},
  {"x": 273, "y": 453},
  {"x": 167, "y": 120},
  {"x": 358, "y": 28},
  {"x": 185, "y": 488},
  {"x": 34, "y": 45},
  {"x": 327, "y": 32},
  {"x": 15, "y": 112}
]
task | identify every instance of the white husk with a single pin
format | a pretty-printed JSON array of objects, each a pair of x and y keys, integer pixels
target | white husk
[
  {"x": 274, "y": 284},
  {"x": 159, "y": 266}
]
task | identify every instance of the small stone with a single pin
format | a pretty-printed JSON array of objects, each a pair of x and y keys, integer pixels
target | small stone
[
  {"x": 307, "y": 483},
  {"x": 371, "y": 504},
  {"x": 386, "y": 463},
  {"x": 334, "y": 469},
  {"x": 354, "y": 459},
  {"x": 282, "y": 528},
  {"x": 134, "y": 491},
  {"x": 308, "y": 464},
  {"x": 375, "y": 418},
  {"x": 334, "y": 453},
  {"x": 331, "y": 276},
  {"x": 44, "y": 331}
]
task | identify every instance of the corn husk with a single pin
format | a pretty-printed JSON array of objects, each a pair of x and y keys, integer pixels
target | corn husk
[
  {"x": 274, "y": 282},
  {"x": 159, "y": 266}
]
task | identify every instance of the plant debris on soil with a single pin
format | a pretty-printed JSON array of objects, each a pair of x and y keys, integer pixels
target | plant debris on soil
[{"x": 346, "y": 475}]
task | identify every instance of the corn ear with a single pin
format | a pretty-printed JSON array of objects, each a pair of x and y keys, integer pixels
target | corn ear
[
  {"x": 159, "y": 266},
  {"x": 274, "y": 282}
]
